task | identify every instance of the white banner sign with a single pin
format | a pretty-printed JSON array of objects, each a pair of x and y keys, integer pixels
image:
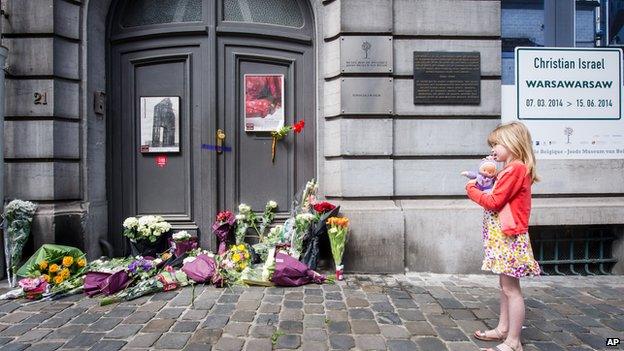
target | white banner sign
[{"x": 571, "y": 100}]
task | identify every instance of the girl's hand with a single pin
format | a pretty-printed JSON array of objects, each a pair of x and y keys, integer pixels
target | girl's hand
[{"x": 471, "y": 182}]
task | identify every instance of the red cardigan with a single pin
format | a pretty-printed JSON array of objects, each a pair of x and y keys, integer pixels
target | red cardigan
[{"x": 511, "y": 197}]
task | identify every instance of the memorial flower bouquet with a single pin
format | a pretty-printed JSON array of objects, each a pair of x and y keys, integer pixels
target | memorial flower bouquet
[
  {"x": 33, "y": 288},
  {"x": 54, "y": 264},
  {"x": 149, "y": 228},
  {"x": 246, "y": 219},
  {"x": 338, "y": 227},
  {"x": 282, "y": 132},
  {"x": 273, "y": 238},
  {"x": 17, "y": 218},
  {"x": 267, "y": 218},
  {"x": 312, "y": 239},
  {"x": 222, "y": 227},
  {"x": 308, "y": 197},
  {"x": 143, "y": 268},
  {"x": 303, "y": 221},
  {"x": 182, "y": 242},
  {"x": 172, "y": 279},
  {"x": 146, "y": 234},
  {"x": 237, "y": 257}
]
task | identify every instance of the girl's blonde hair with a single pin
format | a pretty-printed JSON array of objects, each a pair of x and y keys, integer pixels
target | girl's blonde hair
[{"x": 516, "y": 138}]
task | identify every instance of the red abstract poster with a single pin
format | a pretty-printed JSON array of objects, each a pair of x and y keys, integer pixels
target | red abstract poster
[{"x": 264, "y": 102}]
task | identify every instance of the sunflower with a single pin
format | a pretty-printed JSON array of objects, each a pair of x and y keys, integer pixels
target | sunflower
[
  {"x": 58, "y": 279},
  {"x": 68, "y": 261},
  {"x": 43, "y": 265},
  {"x": 64, "y": 273},
  {"x": 54, "y": 268},
  {"x": 46, "y": 278}
]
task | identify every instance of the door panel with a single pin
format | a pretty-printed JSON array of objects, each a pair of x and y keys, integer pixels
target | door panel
[
  {"x": 259, "y": 180},
  {"x": 164, "y": 190},
  {"x": 177, "y": 191},
  {"x": 247, "y": 174}
]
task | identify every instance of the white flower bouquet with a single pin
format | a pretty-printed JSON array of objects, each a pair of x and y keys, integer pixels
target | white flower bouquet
[{"x": 149, "y": 228}]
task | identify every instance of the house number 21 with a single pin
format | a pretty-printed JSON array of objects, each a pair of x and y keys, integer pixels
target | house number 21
[{"x": 41, "y": 98}]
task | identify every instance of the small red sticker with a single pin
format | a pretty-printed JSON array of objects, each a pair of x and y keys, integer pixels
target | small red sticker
[{"x": 161, "y": 161}]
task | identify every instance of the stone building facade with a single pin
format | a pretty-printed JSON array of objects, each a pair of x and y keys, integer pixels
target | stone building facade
[{"x": 395, "y": 174}]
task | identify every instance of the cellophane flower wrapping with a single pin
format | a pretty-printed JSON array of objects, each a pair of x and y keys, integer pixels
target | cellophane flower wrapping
[
  {"x": 290, "y": 272},
  {"x": 303, "y": 222},
  {"x": 58, "y": 265},
  {"x": 222, "y": 227},
  {"x": 244, "y": 220},
  {"x": 311, "y": 242},
  {"x": 17, "y": 221},
  {"x": 337, "y": 232},
  {"x": 201, "y": 269},
  {"x": 181, "y": 246}
]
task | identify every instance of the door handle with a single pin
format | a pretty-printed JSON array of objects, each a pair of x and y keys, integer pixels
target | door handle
[{"x": 220, "y": 138}]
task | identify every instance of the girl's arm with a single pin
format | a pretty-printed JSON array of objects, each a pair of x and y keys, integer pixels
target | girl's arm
[{"x": 506, "y": 187}]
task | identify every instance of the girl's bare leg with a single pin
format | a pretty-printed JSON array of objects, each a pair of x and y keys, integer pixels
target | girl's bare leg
[
  {"x": 503, "y": 320},
  {"x": 515, "y": 307}
]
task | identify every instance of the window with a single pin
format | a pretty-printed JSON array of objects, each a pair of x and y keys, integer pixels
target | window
[
  {"x": 545, "y": 23},
  {"x": 278, "y": 12},
  {"x": 146, "y": 12}
]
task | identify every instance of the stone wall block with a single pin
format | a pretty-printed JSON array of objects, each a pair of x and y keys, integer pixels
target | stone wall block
[
  {"x": 43, "y": 17},
  {"x": 43, "y": 180},
  {"x": 434, "y": 137},
  {"x": 441, "y": 177},
  {"x": 41, "y": 139},
  {"x": 358, "y": 16},
  {"x": 61, "y": 98},
  {"x": 42, "y": 57},
  {"x": 447, "y": 17},
  {"x": 358, "y": 177},
  {"x": 358, "y": 137},
  {"x": 375, "y": 237}
]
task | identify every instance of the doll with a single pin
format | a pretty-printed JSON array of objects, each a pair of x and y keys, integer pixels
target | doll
[{"x": 486, "y": 174}]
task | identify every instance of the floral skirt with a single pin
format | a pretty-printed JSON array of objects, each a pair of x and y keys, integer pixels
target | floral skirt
[{"x": 509, "y": 255}]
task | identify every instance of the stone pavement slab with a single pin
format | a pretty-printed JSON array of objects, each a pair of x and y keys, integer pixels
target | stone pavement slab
[{"x": 365, "y": 312}]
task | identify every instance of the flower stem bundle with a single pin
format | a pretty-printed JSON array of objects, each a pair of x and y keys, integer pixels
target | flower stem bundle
[{"x": 338, "y": 228}]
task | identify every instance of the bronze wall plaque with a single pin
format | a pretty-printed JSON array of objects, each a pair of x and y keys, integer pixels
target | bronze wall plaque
[
  {"x": 447, "y": 78},
  {"x": 366, "y": 54}
]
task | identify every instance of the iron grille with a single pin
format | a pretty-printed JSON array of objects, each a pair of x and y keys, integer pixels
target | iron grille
[{"x": 575, "y": 250}]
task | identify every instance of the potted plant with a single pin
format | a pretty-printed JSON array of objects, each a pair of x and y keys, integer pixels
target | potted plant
[
  {"x": 147, "y": 234},
  {"x": 182, "y": 242}
]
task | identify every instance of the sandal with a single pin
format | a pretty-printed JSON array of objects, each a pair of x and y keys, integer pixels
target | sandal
[{"x": 481, "y": 336}]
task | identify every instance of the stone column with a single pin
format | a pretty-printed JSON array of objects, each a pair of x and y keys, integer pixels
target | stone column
[
  {"x": 358, "y": 148},
  {"x": 42, "y": 128}
]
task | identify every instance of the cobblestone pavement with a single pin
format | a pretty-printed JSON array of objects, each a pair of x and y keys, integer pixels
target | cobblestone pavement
[{"x": 369, "y": 312}]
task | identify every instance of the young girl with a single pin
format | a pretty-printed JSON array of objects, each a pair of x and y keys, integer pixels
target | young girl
[{"x": 506, "y": 242}]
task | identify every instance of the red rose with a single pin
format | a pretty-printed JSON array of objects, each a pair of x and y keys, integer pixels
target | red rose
[
  {"x": 323, "y": 207},
  {"x": 224, "y": 216},
  {"x": 298, "y": 127}
]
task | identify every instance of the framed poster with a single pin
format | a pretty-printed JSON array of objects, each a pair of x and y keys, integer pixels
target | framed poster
[
  {"x": 160, "y": 124},
  {"x": 264, "y": 102}
]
